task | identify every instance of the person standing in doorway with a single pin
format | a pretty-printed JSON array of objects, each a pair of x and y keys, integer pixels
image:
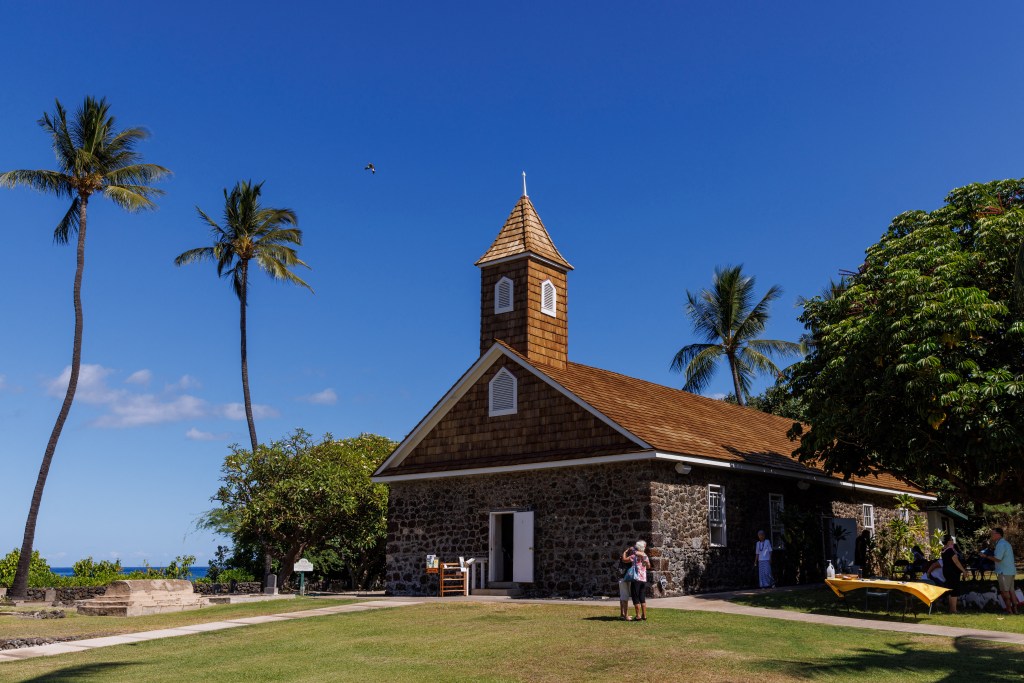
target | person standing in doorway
[
  {"x": 763, "y": 561},
  {"x": 625, "y": 585},
  {"x": 638, "y": 586},
  {"x": 1006, "y": 570}
]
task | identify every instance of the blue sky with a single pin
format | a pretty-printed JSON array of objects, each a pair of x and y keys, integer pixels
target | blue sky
[{"x": 660, "y": 141}]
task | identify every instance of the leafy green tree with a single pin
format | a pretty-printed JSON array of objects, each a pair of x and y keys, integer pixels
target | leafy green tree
[
  {"x": 302, "y": 494},
  {"x": 39, "y": 569},
  {"x": 250, "y": 233},
  {"x": 93, "y": 158},
  {"x": 916, "y": 365},
  {"x": 729, "y": 321}
]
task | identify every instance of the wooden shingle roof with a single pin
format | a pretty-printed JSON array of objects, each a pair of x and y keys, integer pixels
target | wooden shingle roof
[
  {"x": 523, "y": 233},
  {"x": 678, "y": 422}
]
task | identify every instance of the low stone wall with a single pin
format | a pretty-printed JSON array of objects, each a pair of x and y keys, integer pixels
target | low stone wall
[
  {"x": 67, "y": 596},
  {"x": 244, "y": 587}
]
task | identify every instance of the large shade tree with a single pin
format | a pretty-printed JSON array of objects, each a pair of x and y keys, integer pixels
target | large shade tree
[
  {"x": 305, "y": 495},
  {"x": 917, "y": 364},
  {"x": 250, "y": 234},
  {"x": 730, "y": 319},
  {"x": 94, "y": 158}
]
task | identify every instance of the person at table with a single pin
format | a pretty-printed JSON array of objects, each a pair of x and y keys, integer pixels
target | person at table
[
  {"x": 920, "y": 561},
  {"x": 763, "y": 561},
  {"x": 952, "y": 570},
  {"x": 934, "y": 573},
  {"x": 1006, "y": 570}
]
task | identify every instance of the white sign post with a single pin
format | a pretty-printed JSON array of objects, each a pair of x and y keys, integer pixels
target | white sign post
[{"x": 303, "y": 566}]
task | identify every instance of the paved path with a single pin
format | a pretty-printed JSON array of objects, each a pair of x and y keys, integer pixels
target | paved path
[{"x": 92, "y": 643}]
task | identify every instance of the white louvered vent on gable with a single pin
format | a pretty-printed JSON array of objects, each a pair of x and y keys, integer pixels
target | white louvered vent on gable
[
  {"x": 503, "y": 393},
  {"x": 503, "y": 291},
  {"x": 548, "y": 298}
]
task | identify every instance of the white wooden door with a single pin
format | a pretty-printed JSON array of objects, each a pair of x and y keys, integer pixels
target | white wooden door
[{"x": 522, "y": 547}]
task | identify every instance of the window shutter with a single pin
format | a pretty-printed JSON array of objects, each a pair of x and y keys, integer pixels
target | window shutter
[
  {"x": 548, "y": 298},
  {"x": 503, "y": 295},
  {"x": 503, "y": 394}
]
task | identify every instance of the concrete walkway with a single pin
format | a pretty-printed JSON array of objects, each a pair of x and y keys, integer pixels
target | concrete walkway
[{"x": 92, "y": 643}]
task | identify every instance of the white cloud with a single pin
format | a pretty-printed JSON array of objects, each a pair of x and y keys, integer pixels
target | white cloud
[
  {"x": 719, "y": 397},
  {"x": 200, "y": 435},
  {"x": 139, "y": 377},
  {"x": 327, "y": 397},
  {"x": 236, "y": 411},
  {"x": 129, "y": 408},
  {"x": 134, "y": 410},
  {"x": 92, "y": 385},
  {"x": 184, "y": 384}
]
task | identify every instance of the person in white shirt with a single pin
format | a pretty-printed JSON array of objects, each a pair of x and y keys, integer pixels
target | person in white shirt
[{"x": 763, "y": 561}]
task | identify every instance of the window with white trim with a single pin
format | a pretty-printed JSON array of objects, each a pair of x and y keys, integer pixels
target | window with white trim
[
  {"x": 548, "y": 298},
  {"x": 868, "y": 517},
  {"x": 716, "y": 514},
  {"x": 503, "y": 393},
  {"x": 503, "y": 291},
  {"x": 904, "y": 514},
  {"x": 776, "y": 505}
]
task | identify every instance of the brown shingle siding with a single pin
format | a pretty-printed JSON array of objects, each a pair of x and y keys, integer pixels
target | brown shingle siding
[{"x": 548, "y": 426}]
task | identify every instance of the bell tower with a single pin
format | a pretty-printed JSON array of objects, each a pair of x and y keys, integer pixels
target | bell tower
[{"x": 523, "y": 297}]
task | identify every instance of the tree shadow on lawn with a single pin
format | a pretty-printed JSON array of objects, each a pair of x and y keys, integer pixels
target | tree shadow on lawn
[
  {"x": 84, "y": 672},
  {"x": 986, "y": 661}
]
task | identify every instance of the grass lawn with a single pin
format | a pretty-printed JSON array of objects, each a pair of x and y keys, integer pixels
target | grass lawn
[
  {"x": 87, "y": 627},
  {"x": 523, "y": 642},
  {"x": 823, "y": 601}
]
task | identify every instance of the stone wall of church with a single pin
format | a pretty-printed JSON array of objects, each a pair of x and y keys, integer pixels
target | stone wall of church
[{"x": 585, "y": 516}]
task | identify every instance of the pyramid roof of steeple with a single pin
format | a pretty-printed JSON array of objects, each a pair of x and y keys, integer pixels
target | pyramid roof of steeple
[{"x": 522, "y": 234}]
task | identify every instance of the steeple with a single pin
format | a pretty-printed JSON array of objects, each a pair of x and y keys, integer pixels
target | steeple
[
  {"x": 523, "y": 298},
  {"x": 522, "y": 234}
]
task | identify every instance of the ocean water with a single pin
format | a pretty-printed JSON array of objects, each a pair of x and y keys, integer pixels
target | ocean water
[{"x": 194, "y": 572}]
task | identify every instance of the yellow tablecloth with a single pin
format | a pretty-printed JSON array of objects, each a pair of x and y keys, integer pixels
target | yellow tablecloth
[{"x": 925, "y": 592}]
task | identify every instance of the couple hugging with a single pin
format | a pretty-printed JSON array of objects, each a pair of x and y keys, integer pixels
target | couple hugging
[{"x": 634, "y": 583}]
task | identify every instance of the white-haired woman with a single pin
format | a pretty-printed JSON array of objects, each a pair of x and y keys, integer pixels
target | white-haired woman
[{"x": 638, "y": 586}]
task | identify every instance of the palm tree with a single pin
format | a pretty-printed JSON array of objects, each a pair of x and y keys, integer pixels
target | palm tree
[
  {"x": 729, "y": 324},
  {"x": 93, "y": 157},
  {"x": 250, "y": 232}
]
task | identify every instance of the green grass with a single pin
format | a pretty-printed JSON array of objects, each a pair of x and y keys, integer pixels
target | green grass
[
  {"x": 74, "y": 625},
  {"x": 823, "y": 601},
  {"x": 524, "y": 642}
]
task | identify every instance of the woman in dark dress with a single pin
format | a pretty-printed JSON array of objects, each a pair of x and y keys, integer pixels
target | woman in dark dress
[{"x": 952, "y": 570}]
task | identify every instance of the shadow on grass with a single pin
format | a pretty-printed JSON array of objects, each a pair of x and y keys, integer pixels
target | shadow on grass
[
  {"x": 84, "y": 672},
  {"x": 983, "y": 661},
  {"x": 604, "y": 618}
]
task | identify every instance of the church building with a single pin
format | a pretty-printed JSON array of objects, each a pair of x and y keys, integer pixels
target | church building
[{"x": 545, "y": 470}]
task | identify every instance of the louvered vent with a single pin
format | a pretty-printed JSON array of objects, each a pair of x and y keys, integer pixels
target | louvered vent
[
  {"x": 503, "y": 393},
  {"x": 548, "y": 298},
  {"x": 503, "y": 296}
]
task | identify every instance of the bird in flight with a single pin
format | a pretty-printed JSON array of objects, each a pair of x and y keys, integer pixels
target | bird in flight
[{"x": 371, "y": 169}]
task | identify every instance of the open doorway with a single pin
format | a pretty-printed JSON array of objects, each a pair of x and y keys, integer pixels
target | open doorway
[{"x": 511, "y": 547}]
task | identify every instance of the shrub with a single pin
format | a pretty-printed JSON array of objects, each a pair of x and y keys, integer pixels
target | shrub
[{"x": 38, "y": 573}]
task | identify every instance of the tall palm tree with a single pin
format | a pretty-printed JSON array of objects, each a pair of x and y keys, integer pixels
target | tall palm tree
[
  {"x": 93, "y": 157},
  {"x": 250, "y": 232},
  {"x": 728, "y": 320}
]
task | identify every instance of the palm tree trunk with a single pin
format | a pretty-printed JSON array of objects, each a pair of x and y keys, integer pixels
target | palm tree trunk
[
  {"x": 246, "y": 399},
  {"x": 19, "y": 589},
  {"x": 245, "y": 358},
  {"x": 737, "y": 387}
]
